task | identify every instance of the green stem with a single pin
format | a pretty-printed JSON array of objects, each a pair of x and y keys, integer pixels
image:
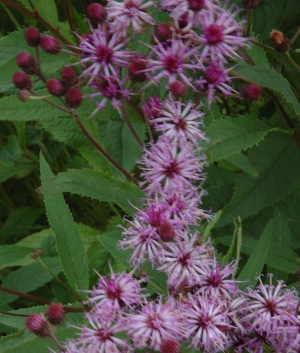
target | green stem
[
  {"x": 288, "y": 56},
  {"x": 112, "y": 206},
  {"x": 249, "y": 19},
  {"x": 59, "y": 280},
  {"x": 11, "y": 16},
  {"x": 295, "y": 36},
  {"x": 262, "y": 45}
]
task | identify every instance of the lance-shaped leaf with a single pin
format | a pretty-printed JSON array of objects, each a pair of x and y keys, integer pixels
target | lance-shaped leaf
[{"x": 69, "y": 244}]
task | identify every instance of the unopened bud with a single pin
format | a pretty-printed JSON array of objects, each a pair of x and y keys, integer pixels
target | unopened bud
[
  {"x": 55, "y": 87},
  {"x": 136, "y": 73},
  {"x": 250, "y": 4},
  {"x": 152, "y": 108},
  {"x": 280, "y": 41},
  {"x": 183, "y": 20},
  {"x": 73, "y": 97},
  {"x": 166, "y": 231},
  {"x": 162, "y": 32},
  {"x": 69, "y": 77},
  {"x": 177, "y": 88},
  {"x": 27, "y": 63},
  {"x": 55, "y": 313},
  {"x": 32, "y": 36},
  {"x": 38, "y": 325},
  {"x": 50, "y": 44},
  {"x": 23, "y": 95},
  {"x": 96, "y": 12},
  {"x": 169, "y": 346},
  {"x": 21, "y": 80},
  {"x": 251, "y": 92},
  {"x": 196, "y": 5},
  {"x": 36, "y": 254}
]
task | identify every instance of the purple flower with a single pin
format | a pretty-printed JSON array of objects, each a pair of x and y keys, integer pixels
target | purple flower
[
  {"x": 152, "y": 108},
  {"x": 179, "y": 121},
  {"x": 184, "y": 261},
  {"x": 206, "y": 324},
  {"x": 152, "y": 324},
  {"x": 168, "y": 165},
  {"x": 116, "y": 293},
  {"x": 101, "y": 53},
  {"x": 126, "y": 13},
  {"x": 172, "y": 60},
  {"x": 222, "y": 36}
]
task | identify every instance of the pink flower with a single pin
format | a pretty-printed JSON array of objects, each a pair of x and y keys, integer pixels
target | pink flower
[{"x": 154, "y": 323}]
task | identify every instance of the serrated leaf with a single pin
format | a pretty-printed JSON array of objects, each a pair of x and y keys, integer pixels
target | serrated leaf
[
  {"x": 14, "y": 255},
  {"x": 34, "y": 241},
  {"x": 275, "y": 14},
  {"x": 257, "y": 259},
  {"x": 272, "y": 80},
  {"x": 240, "y": 161},
  {"x": 119, "y": 142},
  {"x": 69, "y": 243},
  {"x": 97, "y": 185},
  {"x": 28, "y": 278},
  {"x": 231, "y": 135},
  {"x": 277, "y": 153},
  {"x": 45, "y": 8}
]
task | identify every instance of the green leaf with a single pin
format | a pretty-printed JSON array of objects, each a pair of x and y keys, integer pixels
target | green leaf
[
  {"x": 257, "y": 259},
  {"x": 231, "y": 135},
  {"x": 17, "y": 321},
  {"x": 275, "y": 14},
  {"x": 11, "y": 152},
  {"x": 45, "y": 8},
  {"x": 34, "y": 241},
  {"x": 23, "y": 168},
  {"x": 119, "y": 142},
  {"x": 14, "y": 255},
  {"x": 272, "y": 80},
  {"x": 97, "y": 185},
  {"x": 241, "y": 161},
  {"x": 69, "y": 243},
  {"x": 235, "y": 247},
  {"x": 29, "y": 278},
  {"x": 277, "y": 153}
]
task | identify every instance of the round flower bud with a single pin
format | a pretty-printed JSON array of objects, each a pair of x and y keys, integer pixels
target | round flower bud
[
  {"x": 69, "y": 77},
  {"x": 96, "y": 12},
  {"x": 135, "y": 69},
  {"x": 36, "y": 254},
  {"x": 50, "y": 44},
  {"x": 37, "y": 324},
  {"x": 162, "y": 32},
  {"x": 250, "y": 4},
  {"x": 183, "y": 21},
  {"x": 27, "y": 63},
  {"x": 251, "y": 92},
  {"x": 73, "y": 97},
  {"x": 169, "y": 346},
  {"x": 55, "y": 313},
  {"x": 177, "y": 88},
  {"x": 55, "y": 87},
  {"x": 166, "y": 231},
  {"x": 196, "y": 5},
  {"x": 32, "y": 36},
  {"x": 21, "y": 80},
  {"x": 23, "y": 95},
  {"x": 280, "y": 41}
]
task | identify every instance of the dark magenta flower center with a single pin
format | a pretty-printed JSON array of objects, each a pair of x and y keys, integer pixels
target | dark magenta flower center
[
  {"x": 213, "y": 34},
  {"x": 171, "y": 63},
  {"x": 196, "y": 5},
  {"x": 103, "y": 53},
  {"x": 214, "y": 74}
]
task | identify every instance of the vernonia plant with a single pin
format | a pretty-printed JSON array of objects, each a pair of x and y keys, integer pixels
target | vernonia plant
[{"x": 174, "y": 127}]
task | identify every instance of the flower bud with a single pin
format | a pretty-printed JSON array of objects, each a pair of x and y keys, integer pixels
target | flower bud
[
  {"x": 23, "y": 95},
  {"x": 251, "y": 92},
  {"x": 37, "y": 324},
  {"x": 213, "y": 74},
  {"x": 280, "y": 41},
  {"x": 196, "y": 5},
  {"x": 69, "y": 77},
  {"x": 135, "y": 71},
  {"x": 166, "y": 231},
  {"x": 177, "y": 88},
  {"x": 183, "y": 21},
  {"x": 32, "y": 36},
  {"x": 96, "y": 12},
  {"x": 55, "y": 313},
  {"x": 73, "y": 97},
  {"x": 27, "y": 63},
  {"x": 162, "y": 32},
  {"x": 169, "y": 346},
  {"x": 36, "y": 254},
  {"x": 250, "y": 4},
  {"x": 50, "y": 44},
  {"x": 21, "y": 80},
  {"x": 55, "y": 87}
]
